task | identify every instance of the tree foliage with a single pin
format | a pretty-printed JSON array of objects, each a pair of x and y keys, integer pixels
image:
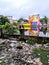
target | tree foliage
[
  {"x": 9, "y": 28},
  {"x": 21, "y": 19},
  {"x": 3, "y": 20},
  {"x": 44, "y": 20}
]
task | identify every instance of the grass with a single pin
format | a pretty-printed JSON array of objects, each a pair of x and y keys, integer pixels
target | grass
[{"x": 42, "y": 54}]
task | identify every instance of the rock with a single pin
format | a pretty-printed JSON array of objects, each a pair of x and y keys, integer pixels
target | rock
[{"x": 37, "y": 61}]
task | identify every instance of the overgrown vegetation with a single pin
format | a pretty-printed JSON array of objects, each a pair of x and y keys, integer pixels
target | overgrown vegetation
[
  {"x": 31, "y": 41},
  {"x": 42, "y": 54},
  {"x": 3, "y": 20},
  {"x": 9, "y": 28}
]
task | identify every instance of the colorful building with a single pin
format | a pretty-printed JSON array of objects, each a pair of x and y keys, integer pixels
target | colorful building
[
  {"x": 34, "y": 21},
  {"x": 48, "y": 26}
]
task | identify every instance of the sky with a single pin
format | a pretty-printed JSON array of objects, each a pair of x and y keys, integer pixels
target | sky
[{"x": 24, "y": 8}]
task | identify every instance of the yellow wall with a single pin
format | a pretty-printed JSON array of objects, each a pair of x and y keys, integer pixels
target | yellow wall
[{"x": 27, "y": 26}]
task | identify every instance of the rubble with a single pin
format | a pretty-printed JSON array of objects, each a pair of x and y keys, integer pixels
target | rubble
[{"x": 17, "y": 53}]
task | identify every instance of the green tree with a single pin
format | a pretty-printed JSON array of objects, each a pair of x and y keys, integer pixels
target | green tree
[
  {"x": 3, "y": 20},
  {"x": 21, "y": 19},
  {"x": 9, "y": 28},
  {"x": 45, "y": 19}
]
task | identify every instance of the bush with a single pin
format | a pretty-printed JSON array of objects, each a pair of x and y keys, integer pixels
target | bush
[
  {"x": 9, "y": 28},
  {"x": 28, "y": 41}
]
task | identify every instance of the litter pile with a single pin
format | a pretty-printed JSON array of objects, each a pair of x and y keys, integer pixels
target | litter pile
[{"x": 17, "y": 53}]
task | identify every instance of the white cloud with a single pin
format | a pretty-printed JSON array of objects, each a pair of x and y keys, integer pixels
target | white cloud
[{"x": 24, "y": 8}]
